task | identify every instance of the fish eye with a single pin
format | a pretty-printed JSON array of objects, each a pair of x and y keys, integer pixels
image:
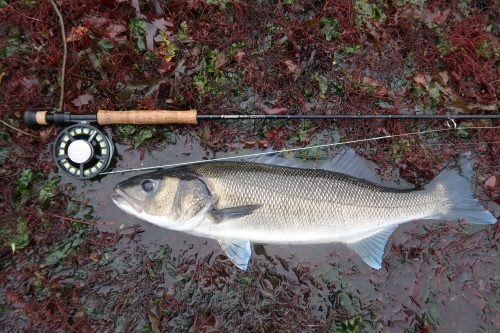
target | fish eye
[{"x": 148, "y": 185}]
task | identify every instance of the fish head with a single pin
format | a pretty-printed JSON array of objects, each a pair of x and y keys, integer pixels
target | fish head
[{"x": 174, "y": 199}]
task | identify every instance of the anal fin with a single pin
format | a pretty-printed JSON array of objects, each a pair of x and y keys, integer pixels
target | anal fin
[
  {"x": 371, "y": 248},
  {"x": 238, "y": 251}
]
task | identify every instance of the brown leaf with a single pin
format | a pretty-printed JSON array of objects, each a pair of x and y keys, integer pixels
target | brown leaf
[
  {"x": 276, "y": 110},
  {"x": 491, "y": 183},
  {"x": 83, "y": 99},
  {"x": 263, "y": 143},
  {"x": 113, "y": 30},
  {"x": 436, "y": 16},
  {"x": 220, "y": 60},
  {"x": 378, "y": 88},
  {"x": 248, "y": 143},
  {"x": 165, "y": 67},
  {"x": 95, "y": 255},
  {"x": 77, "y": 33},
  {"x": 444, "y": 77},
  {"x": 292, "y": 66},
  {"x": 239, "y": 56},
  {"x": 496, "y": 321},
  {"x": 453, "y": 99},
  {"x": 271, "y": 110},
  {"x": 106, "y": 27},
  {"x": 153, "y": 318},
  {"x": 422, "y": 79}
]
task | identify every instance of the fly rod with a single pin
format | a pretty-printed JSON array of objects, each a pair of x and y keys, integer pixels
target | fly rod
[
  {"x": 35, "y": 118},
  {"x": 83, "y": 150}
]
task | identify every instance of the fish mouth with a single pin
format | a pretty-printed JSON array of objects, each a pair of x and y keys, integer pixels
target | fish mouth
[{"x": 122, "y": 199}]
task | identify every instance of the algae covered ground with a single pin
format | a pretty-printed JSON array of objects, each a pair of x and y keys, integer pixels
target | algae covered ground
[{"x": 70, "y": 261}]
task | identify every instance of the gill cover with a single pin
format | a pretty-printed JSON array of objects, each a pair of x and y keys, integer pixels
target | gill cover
[
  {"x": 176, "y": 199},
  {"x": 191, "y": 202}
]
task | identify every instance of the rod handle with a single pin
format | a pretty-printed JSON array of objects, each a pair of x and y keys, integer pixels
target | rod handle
[
  {"x": 34, "y": 119},
  {"x": 146, "y": 117}
]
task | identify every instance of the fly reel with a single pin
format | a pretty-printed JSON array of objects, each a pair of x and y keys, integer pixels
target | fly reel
[{"x": 83, "y": 151}]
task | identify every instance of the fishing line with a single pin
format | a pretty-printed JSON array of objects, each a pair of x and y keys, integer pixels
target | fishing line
[{"x": 451, "y": 126}]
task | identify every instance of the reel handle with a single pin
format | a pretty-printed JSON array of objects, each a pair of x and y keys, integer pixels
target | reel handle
[{"x": 146, "y": 117}]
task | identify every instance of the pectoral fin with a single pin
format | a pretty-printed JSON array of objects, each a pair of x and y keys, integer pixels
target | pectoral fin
[
  {"x": 371, "y": 248},
  {"x": 238, "y": 251},
  {"x": 220, "y": 215}
]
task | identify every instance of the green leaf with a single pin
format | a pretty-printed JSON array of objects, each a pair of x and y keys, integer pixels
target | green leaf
[
  {"x": 329, "y": 27},
  {"x": 351, "y": 50},
  {"x": 138, "y": 30},
  {"x": 4, "y": 152},
  {"x": 138, "y": 27},
  {"x": 322, "y": 83},
  {"x": 27, "y": 3},
  {"x": 105, "y": 45},
  {"x": 65, "y": 248},
  {"x": 24, "y": 185},
  {"x": 48, "y": 189},
  {"x": 144, "y": 134},
  {"x": 17, "y": 238},
  {"x": 434, "y": 93},
  {"x": 126, "y": 131}
]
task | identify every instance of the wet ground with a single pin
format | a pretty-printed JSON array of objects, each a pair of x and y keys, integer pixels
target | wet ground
[{"x": 70, "y": 261}]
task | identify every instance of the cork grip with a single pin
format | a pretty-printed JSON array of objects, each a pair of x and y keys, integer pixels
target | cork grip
[{"x": 143, "y": 117}]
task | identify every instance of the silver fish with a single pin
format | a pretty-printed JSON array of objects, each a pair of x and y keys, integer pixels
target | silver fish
[{"x": 242, "y": 202}]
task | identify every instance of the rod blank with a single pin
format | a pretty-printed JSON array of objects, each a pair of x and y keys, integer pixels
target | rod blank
[{"x": 35, "y": 118}]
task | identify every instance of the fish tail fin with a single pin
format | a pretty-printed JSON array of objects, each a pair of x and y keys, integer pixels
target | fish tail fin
[{"x": 457, "y": 200}]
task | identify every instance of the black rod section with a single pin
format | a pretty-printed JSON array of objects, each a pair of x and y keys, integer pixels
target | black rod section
[{"x": 348, "y": 116}]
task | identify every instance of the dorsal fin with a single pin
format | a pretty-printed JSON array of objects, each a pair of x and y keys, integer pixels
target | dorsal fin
[
  {"x": 273, "y": 157},
  {"x": 349, "y": 163}
]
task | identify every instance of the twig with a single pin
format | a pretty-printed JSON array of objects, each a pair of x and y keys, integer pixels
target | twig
[
  {"x": 20, "y": 130},
  {"x": 63, "y": 67},
  {"x": 32, "y": 18},
  {"x": 79, "y": 221}
]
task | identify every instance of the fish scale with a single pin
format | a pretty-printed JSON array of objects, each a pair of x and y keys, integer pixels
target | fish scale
[
  {"x": 242, "y": 202},
  {"x": 293, "y": 199}
]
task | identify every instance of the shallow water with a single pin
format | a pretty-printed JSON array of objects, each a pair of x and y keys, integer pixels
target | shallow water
[{"x": 435, "y": 274}]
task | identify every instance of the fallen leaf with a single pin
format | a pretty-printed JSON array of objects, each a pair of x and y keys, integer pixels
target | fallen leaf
[
  {"x": 194, "y": 4},
  {"x": 453, "y": 99},
  {"x": 165, "y": 67},
  {"x": 113, "y": 30},
  {"x": 490, "y": 107},
  {"x": 496, "y": 321},
  {"x": 220, "y": 60},
  {"x": 444, "y": 77},
  {"x": 263, "y": 143},
  {"x": 378, "y": 88},
  {"x": 106, "y": 27},
  {"x": 491, "y": 183},
  {"x": 271, "y": 110},
  {"x": 77, "y": 33},
  {"x": 95, "y": 255},
  {"x": 412, "y": 11},
  {"x": 292, "y": 66},
  {"x": 239, "y": 56},
  {"x": 83, "y": 99},
  {"x": 422, "y": 79},
  {"x": 434, "y": 15},
  {"x": 154, "y": 322},
  {"x": 248, "y": 143},
  {"x": 1, "y": 77},
  {"x": 274, "y": 134}
]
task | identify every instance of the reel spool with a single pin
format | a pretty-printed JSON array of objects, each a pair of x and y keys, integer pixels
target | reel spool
[{"x": 83, "y": 151}]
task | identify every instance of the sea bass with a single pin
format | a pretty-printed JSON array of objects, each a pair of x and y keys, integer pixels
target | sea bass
[{"x": 273, "y": 202}]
